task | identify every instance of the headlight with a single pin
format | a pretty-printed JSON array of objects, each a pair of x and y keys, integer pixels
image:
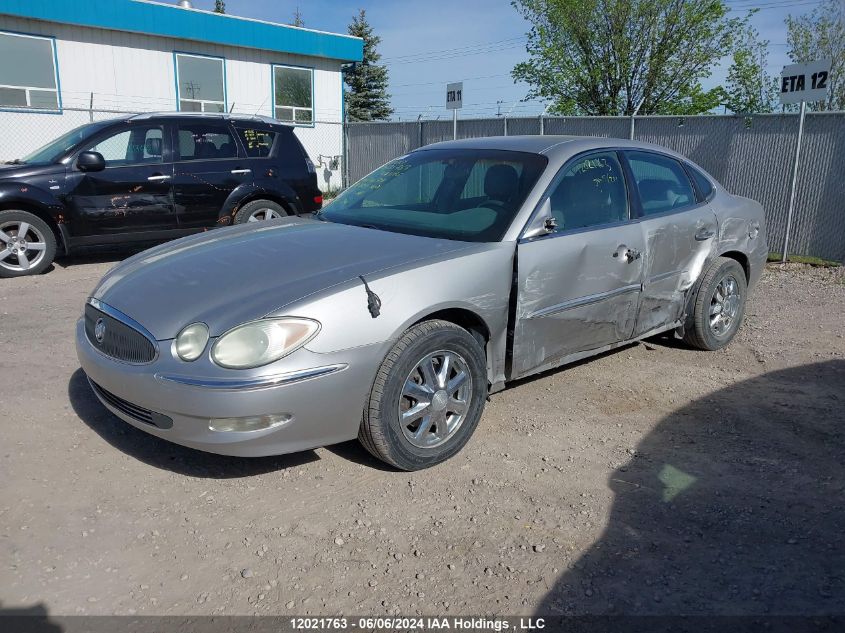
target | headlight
[
  {"x": 191, "y": 341},
  {"x": 261, "y": 342}
]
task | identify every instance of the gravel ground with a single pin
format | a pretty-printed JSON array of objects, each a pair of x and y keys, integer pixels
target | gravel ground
[{"x": 654, "y": 480}]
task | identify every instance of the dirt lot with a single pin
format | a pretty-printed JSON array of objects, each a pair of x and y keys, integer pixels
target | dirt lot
[{"x": 654, "y": 480}]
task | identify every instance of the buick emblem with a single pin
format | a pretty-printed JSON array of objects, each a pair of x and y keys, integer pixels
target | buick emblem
[{"x": 100, "y": 330}]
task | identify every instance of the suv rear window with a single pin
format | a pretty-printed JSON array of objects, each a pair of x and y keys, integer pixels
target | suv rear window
[{"x": 258, "y": 143}]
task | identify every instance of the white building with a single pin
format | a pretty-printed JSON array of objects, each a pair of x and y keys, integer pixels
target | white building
[{"x": 65, "y": 63}]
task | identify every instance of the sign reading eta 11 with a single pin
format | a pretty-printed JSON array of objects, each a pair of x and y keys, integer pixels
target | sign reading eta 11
[
  {"x": 455, "y": 96},
  {"x": 805, "y": 82}
]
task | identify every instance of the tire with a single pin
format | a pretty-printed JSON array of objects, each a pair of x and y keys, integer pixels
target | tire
[
  {"x": 32, "y": 254},
  {"x": 386, "y": 435},
  {"x": 258, "y": 210},
  {"x": 707, "y": 327}
]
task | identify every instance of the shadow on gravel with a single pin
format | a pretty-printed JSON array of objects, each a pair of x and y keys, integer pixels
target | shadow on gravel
[
  {"x": 733, "y": 506},
  {"x": 34, "y": 619},
  {"x": 161, "y": 454}
]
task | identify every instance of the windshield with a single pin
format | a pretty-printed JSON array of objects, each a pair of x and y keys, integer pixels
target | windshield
[
  {"x": 468, "y": 195},
  {"x": 54, "y": 149}
]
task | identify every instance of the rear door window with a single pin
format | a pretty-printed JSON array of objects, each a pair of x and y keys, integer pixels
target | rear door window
[
  {"x": 204, "y": 141},
  {"x": 704, "y": 186},
  {"x": 257, "y": 143},
  {"x": 662, "y": 183}
]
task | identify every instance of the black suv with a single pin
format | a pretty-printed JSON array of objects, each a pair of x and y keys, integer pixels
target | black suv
[{"x": 149, "y": 178}]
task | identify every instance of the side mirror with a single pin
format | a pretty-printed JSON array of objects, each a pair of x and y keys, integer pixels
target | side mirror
[
  {"x": 91, "y": 161},
  {"x": 543, "y": 222}
]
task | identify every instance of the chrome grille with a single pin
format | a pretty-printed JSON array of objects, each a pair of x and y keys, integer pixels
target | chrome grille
[
  {"x": 119, "y": 340},
  {"x": 134, "y": 411}
]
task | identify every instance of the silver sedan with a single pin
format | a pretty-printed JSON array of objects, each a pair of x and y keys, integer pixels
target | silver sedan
[{"x": 432, "y": 282}]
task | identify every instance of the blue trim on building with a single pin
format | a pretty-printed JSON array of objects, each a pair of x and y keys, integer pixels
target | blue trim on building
[{"x": 202, "y": 26}]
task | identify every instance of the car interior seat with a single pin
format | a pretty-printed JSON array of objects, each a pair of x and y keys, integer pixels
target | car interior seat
[{"x": 501, "y": 184}]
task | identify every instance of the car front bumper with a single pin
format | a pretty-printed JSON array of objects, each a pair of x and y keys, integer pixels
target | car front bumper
[{"x": 323, "y": 395}]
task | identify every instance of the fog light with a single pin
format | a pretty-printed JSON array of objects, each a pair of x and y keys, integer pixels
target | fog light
[{"x": 253, "y": 423}]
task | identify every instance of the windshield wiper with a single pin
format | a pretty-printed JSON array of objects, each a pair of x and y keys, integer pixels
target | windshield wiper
[{"x": 16, "y": 161}]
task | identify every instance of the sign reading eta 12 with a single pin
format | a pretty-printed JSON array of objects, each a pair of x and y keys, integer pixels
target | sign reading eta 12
[
  {"x": 455, "y": 96},
  {"x": 805, "y": 82}
]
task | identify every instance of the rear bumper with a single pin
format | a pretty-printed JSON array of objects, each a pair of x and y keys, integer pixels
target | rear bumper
[{"x": 323, "y": 395}]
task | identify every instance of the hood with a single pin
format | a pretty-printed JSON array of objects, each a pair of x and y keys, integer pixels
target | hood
[
  {"x": 9, "y": 172},
  {"x": 228, "y": 276}
]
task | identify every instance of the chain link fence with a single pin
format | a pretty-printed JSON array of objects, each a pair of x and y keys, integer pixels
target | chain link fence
[
  {"x": 751, "y": 156},
  {"x": 22, "y": 132}
]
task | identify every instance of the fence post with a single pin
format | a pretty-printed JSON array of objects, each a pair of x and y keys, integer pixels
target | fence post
[
  {"x": 419, "y": 134},
  {"x": 91, "y": 108},
  {"x": 542, "y": 125},
  {"x": 794, "y": 181},
  {"x": 344, "y": 175},
  {"x": 631, "y": 136},
  {"x": 506, "y": 125}
]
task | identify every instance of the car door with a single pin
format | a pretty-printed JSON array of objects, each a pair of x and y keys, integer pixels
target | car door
[
  {"x": 679, "y": 228},
  {"x": 132, "y": 195},
  {"x": 209, "y": 167},
  {"x": 578, "y": 287}
]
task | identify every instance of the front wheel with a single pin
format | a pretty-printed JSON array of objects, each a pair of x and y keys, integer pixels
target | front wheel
[
  {"x": 27, "y": 244},
  {"x": 427, "y": 398},
  {"x": 719, "y": 306}
]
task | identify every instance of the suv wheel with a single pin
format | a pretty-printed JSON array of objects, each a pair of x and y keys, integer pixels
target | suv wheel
[
  {"x": 260, "y": 210},
  {"x": 27, "y": 244}
]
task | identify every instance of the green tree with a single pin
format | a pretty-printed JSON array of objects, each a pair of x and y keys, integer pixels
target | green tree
[
  {"x": 219, "y": 6},
  {"x": 367, "y": 98},
  {"x": 623, "y": 57},
  {"x": 821, "y": 35},
  {"x": 297, "y": 18},
  {"x": 749, "y": 87}
]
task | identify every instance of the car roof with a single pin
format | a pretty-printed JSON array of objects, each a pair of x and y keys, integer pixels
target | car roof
[
  {"x": 553, "y": 146},
  {"x": 214, "y": 116}
]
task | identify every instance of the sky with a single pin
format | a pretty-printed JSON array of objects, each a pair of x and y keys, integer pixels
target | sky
[{"x": 428, "y": 43}]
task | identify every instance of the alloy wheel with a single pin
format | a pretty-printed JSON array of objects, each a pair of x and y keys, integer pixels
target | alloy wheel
[
  {"x": 435, "y": 399},
  {"x": 260, "y": 215},
  {"x": 724, "y": 306},
  {"x": 22, "y": 246}
]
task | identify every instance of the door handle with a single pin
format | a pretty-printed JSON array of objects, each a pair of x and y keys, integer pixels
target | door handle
[
  {"x": 241, "y": 171},
  {"x": 704, "y": 233},
  {"x": 158, "y": 177}
]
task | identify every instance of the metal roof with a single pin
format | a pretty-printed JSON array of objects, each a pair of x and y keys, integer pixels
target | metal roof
[{"x": 170, "y": 20}]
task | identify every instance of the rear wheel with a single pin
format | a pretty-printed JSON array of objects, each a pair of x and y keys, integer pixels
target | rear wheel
[
  {"x": 719, "y": 306},
  {"x": 260, "y": 210},
  {"x": 428, "y": 397},
  {"x": 27, "y": 244}
]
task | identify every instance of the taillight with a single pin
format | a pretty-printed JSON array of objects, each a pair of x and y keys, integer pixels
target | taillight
[{"x": 318, "y": 199}]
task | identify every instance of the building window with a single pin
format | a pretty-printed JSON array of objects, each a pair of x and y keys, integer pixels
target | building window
[
  {"x": 293, "y": 93},
  {"x": 31, "y": 80},
  {"x": 201, "y": 83}
]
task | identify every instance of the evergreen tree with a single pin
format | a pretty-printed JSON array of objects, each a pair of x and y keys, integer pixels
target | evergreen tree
[
  {"x": 219, "y": 6},
  {"x": 367, "y": 98}
]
